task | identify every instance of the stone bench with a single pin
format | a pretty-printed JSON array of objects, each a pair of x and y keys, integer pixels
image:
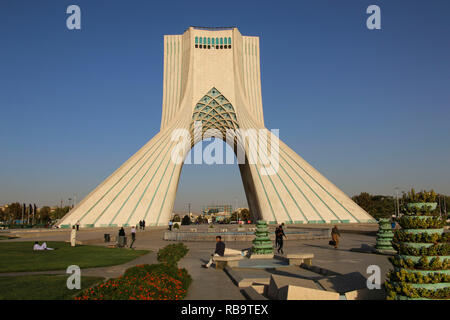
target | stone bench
[
  {"x": 230, "y": 261},
  {"x": 296, "y": 259}
]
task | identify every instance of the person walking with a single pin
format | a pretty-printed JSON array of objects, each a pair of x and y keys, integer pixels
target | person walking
[
  {"x": 335, "y": 234},
  {"x": 219, "y": 252},
  {"x": 73, "y": 237},
  {"x": 121, "y": 240},
  {"x": 143, "y": 224},
  {"x": 133, "y": 236},
  {"x": 170, "y": 225},
  {"x": 78, "y": 225},
  {"x": 279, "y": 234},
  {"x": 140, "y": 224}
]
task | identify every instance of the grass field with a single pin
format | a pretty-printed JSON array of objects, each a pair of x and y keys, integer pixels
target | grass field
[
  {"x": 19, "y": 256},
  {"x": 7, "y": 237},
  {"x": 41, "y": 287}
]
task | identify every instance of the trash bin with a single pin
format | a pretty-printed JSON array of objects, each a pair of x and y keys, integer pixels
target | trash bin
[{"x": 107, "y": 237}]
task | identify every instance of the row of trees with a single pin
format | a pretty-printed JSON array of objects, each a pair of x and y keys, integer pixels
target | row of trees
[
  {"x": 379, "y": 206},
  {"x": 14, "y": 211}
]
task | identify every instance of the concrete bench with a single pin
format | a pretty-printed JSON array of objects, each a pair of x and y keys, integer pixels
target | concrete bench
[
  {"x": 297, "y": 259},
  {"x": 230, "y": 261}
]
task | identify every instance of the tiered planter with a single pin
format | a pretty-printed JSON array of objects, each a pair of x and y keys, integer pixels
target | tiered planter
[
  {"x": 262, "y": 243},
  {"x": 422, "y": 265},
  {"x": 384, "y": 238}
]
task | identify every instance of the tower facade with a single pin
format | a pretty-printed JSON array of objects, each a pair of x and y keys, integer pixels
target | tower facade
[{"x": 212, "y": 77}]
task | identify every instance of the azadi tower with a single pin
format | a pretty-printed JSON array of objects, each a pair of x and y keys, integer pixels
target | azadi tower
[{"x": 212, "y": 75}]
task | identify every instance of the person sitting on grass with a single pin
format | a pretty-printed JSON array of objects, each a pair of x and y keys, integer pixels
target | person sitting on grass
[
  {"x": 41, "y": 247},
  {"x": 219, "y": 252}
]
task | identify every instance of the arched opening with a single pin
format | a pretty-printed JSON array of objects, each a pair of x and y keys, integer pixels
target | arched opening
[
  {"x": 210, "y": 164},
  {"x": 204, "y": 185}
]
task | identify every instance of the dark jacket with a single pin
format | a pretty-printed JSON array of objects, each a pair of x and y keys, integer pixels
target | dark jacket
[
  {"x": 279, "y": 234},
  {"x": 220, "y": 248},
  {"x": 121, "y": 232},
  {"x": 335, "y": 231}
]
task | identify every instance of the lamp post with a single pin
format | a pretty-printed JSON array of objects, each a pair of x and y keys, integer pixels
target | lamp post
[{"x": 397, "y": 212}]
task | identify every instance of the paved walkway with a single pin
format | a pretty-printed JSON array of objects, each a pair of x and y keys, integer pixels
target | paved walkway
[{"x": 215, "y": 284}]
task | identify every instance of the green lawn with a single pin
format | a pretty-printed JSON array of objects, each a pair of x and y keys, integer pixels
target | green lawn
[
  {"x": 19, "y": 256},
  {"x": 7, "y": 237},
  {"x": 41, "y": 287}
]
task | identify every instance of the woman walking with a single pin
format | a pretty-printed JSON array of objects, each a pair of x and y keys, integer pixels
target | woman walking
[{"x": 335, "y": 234}]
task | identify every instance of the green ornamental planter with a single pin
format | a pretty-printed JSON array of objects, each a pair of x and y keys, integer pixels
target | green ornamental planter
[
  {"x": 384, "y": 237},
  {"x": 262, "y": 243},
  {"x": 423, "y": 276}
]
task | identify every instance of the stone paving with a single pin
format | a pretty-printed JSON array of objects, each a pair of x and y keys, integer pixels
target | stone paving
[{"x": 216, "y": 284}]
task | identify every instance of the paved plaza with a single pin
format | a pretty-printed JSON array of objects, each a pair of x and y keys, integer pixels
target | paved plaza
[{"x": 217, "y": 284}]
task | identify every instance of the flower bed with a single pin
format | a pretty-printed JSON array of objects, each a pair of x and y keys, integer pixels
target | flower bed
[
  {"x": 147, "y": 287},
  {"x": 163, "y": 281},
  {"x": 172, "y": 253}
]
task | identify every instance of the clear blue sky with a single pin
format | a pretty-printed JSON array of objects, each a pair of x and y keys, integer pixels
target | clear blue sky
[{"x": 369, "y": 109}]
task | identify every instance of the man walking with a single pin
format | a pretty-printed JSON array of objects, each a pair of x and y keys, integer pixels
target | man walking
[
  {"x": 133, "y": 236},
  {"x": 170, "y": 225},
  {"x": 335, "y": 234},
  {"x": 78, "y": 225},
  {"x": 219, "y": 252},
  {"x": 143, "y": 224}
]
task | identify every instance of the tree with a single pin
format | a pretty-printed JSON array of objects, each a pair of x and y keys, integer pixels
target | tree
[
  {"x": 58, "y": 213},
  {"x": 201, "y": 219},
  {"x": 186, "y": 220},
  {"x": 44, "y": 213},
  {"x": 176, "y": 218},
  {"x": 377, "y": 206},
  {"x": 243, "y": 214},
  {"x": 14, "y": 211},
  {"x": 364, "y": 200}
]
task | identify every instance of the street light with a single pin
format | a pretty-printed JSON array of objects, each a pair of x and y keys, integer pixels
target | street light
[{"x": 397, "y": 212}]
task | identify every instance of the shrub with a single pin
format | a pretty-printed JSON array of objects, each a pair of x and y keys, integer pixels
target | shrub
[
  {"x": 186, "y": 220},
  {"x": 407, "y": 290},
  {"x": 172, "y": 253},
  {"x": 401, "y": 236},
  {"x": 423, "y": 264},
  {"x": 407, "y": 222},
  {"x": 422, "y": 196},
  {"x": 434, "y": 250},
  {"x": 410, "y": 277}
]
